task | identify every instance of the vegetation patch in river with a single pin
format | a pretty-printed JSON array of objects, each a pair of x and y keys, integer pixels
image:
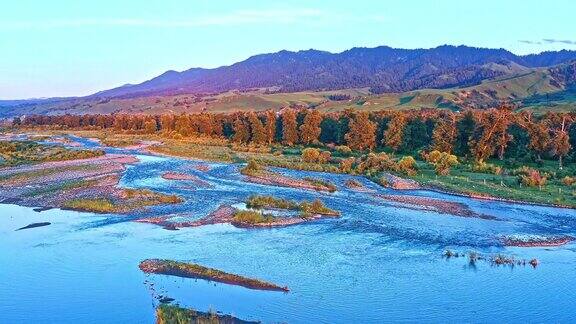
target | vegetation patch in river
[
  {"x": 245, "y": 218},
  {"x": 496, "y": 260},
  {"x": 63, "y": 186},
  {"x": 258, "y": 218},
  {"x": 222, "y": 214},
  {"x": 258, "y": 174},
  {"x": 192, "y": 270},
  {"x": 173, "y": 314},
  {"x": 17, "y": 178},
  {"x": 305, "y": 208},
  {"x": 435, "y": 205},
  {"x": 80, "y": 184},
  {"x": 536, "y": 240},
  {"x": 26, "y": 152},
  {"x": 254, "y": 217},
  {"x": 128, "y": 200}
]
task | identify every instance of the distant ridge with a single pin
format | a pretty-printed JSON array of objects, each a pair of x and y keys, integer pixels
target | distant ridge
[
  {"x": 382, "y": 69},
  {"x": 447, "y": 77}
]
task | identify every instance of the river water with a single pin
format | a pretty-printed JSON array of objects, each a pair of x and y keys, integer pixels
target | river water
[{"x": 379, "y": 262}]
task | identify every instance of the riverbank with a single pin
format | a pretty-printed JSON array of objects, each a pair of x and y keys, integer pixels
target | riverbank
[
  {"x": 90, "y": 185},
  {"x": 463, "y": 180}
]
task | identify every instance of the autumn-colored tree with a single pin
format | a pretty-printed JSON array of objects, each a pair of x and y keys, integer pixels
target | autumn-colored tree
[
  {"x": 505, "y": 119},
  {"x": 120, "y": 122},
  {"x": 362, "y": 132},
  {"x": 558, "y": 125},
  {"x": 218, "y": 125},
  {"x": 289, "y": 127},
  {"x": 257, "y": 131},
  {"x": 241, "y": 131},
  {"x": 167, "y": 123},
  {"x": 150, "y": 126},
  {"x": 101, "y": 121},
  {"x": 182, "y": 125},
  {"x": 537, "y": 131},
  {"x": 270, "y": 126},
  {"x": 135, "y": 123},
  {"x": 310, "y": 129},
  {"x": 490, "y": 133},
  {"x": 395, "y": 131},
  {"x": 445, "y": 132},
  {"x": 346, "y": 165},
  {"x": 205, "y": 124}
]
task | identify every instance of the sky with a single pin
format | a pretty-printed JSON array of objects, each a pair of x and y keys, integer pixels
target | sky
[{"x": 74, "y": 48}]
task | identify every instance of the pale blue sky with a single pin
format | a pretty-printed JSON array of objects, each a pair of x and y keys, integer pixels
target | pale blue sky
[{"x": 70, "y": 47}]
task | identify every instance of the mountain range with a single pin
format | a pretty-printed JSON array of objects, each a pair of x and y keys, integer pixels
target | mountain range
[
  {"x": 382, "y": 69},
  {"x": 379, "y": 70}
]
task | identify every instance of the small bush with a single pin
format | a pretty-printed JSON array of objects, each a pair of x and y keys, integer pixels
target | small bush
[
  {"x": 259, "y": 202},
  {"x": 316, "y": 207},
  {"x": 432, "y": 157},
  {"x": 325, "y": 157},
  {"x": 532, "y": 178},
  {"x": 346, "y": 165},
  {"x": 407, "y": 165},
  {"x": 252, "y": 168},
  {"x": 352, "y": 183},
  {"x": 321, "y": 183},
  {"x": 252, "y": 217},
  {"x": 374, "y": 163},
  {"x": 310, "y": 155},
  {"x": 441, "y": 161},
  {"x": 486, "y": 168},
  {"x": 569, "y": 181},
  {"x": 343, "y": 150}
]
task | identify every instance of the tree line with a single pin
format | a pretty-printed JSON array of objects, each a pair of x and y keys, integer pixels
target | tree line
[{"x": 474, "y": 134}]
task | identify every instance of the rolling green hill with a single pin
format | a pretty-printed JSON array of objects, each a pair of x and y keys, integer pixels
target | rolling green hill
[{"x": 538, "y": 89}]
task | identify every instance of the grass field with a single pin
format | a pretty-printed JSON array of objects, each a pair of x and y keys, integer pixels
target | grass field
[{"x": 462, "y": 180}]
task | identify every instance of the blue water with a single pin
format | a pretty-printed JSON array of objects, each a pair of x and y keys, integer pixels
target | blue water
[{"x": 379, "y": 262}]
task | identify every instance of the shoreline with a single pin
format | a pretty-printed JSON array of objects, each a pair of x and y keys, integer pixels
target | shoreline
[
  {"x": 196, "y": 271},
  {"x": 479, "y": 196},
  {"x": 426, "y": 187}
]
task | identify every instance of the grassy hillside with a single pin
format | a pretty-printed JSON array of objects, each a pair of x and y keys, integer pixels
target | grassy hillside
[{"x": 535, "y": 89}]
